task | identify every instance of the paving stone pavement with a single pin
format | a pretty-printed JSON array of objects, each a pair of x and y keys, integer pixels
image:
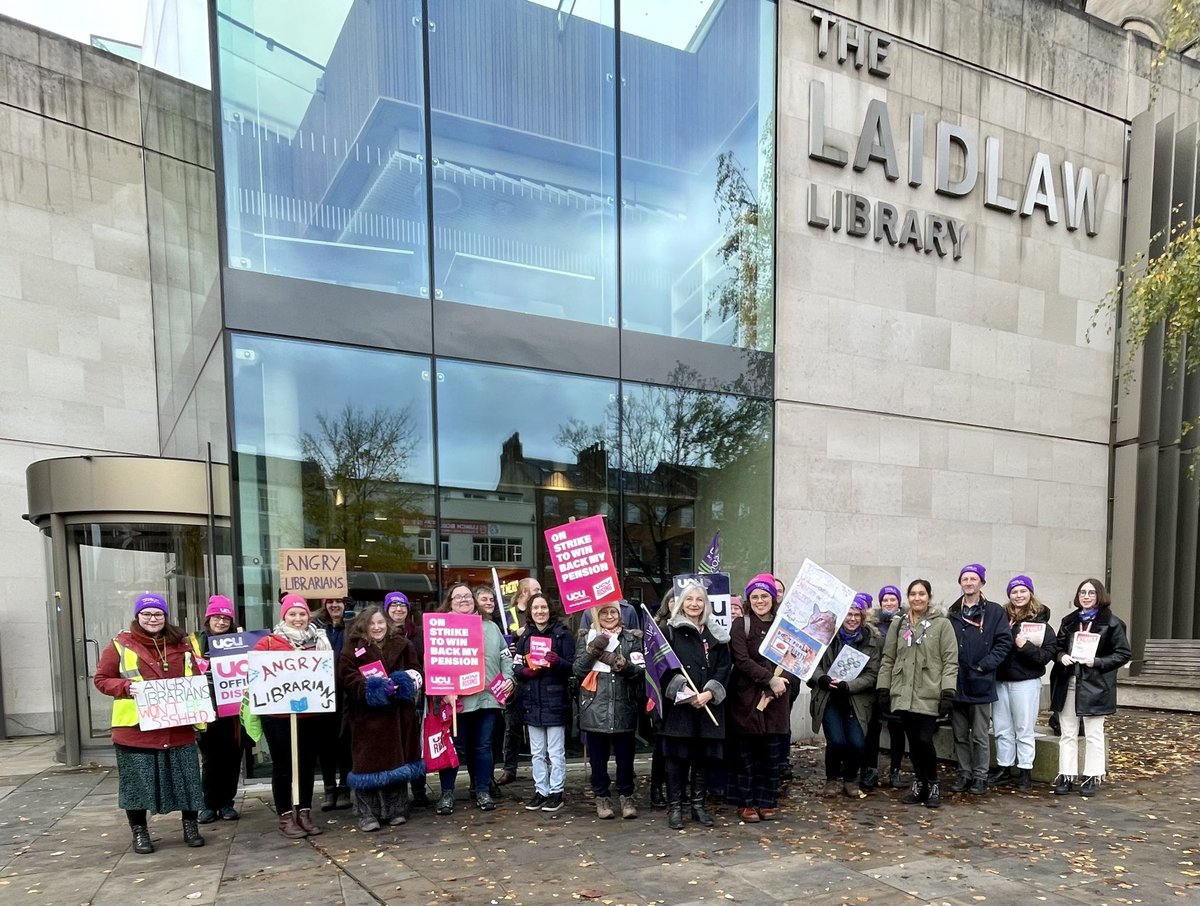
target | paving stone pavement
[{"x": 64, "y": 843}]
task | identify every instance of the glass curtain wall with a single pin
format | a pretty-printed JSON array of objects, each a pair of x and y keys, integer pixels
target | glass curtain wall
[{"x": 333, "y": 447}]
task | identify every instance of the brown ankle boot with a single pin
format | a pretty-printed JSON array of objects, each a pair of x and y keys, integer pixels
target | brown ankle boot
[
  {"x": 289, "y": 828},
  {"x": 304, "y": 819}
]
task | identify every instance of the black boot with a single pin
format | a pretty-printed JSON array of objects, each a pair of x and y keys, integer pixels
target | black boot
[
  {"x": 1025, "y": 779},
  {"x": 191, "y": 833},
  {"x": 141, "y": 839},
  {"x": 699, "y": 794},
  {"x": 868, "y": 778},
  {"x": 999, "y": 775},
  {"x": 919, "y": 793},
  {"x": 1063, "y": 785},
  {"x": 933, "y": 798},
  {"x": 658, "y": 796},
  {"x": 962, "y": 783},
  {"x": 676, "y": 779}
]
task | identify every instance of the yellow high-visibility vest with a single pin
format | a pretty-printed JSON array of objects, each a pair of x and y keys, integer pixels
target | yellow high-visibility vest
[{"x": 124, "y": 710}]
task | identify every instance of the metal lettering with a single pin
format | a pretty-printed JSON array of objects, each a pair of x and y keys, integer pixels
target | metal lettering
[
  {"x": 1039, "y": 190},
  {"x": 838, "y": 208},
  {"x": 815, "y": 218},
  {"x": 885, "y": 222},
  {"x": 859, "y": 221},
  {"x": 877, "y": 54},
  {"x": 948, "y": 133},
  {"x": 823, "y": 22},
  {"x": 936, "y": 233},
  {"x": 875, "y": 142},
  {"x": 910, "y": 232},
  {"x": 1082, "y": 201},
  {"x": 993, "y": 157},
  {"x": 851, "y": 37},
  {"x": 958, "y": 236},
  {"x": 817, "y": 149},
  {"x": 916, "y": 149}
]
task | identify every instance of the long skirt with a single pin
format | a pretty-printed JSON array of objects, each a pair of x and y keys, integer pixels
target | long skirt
[{"x": 159, "y": 780}]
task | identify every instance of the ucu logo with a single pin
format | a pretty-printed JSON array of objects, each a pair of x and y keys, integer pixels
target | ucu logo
[{"x": 226, "y": 642}]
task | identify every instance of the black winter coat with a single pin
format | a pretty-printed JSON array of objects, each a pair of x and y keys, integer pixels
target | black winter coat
[
  {"x": 1029, "y": 661},
  {"x": 1095, "y": 686},
  {"x": 617, "y": 702},
  {"x": 981, "y": 649},
  {"x": 706, "y": 657},
  {"x": 545, "y": 695}
]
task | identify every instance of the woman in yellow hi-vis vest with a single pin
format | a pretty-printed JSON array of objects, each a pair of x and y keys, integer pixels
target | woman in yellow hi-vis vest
[{"x": 158, "y": 770}]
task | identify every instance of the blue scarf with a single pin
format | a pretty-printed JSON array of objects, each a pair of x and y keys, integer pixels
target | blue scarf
[
  {"x": 849, "y": 638},
  {"x": 1086, "y": 616}
]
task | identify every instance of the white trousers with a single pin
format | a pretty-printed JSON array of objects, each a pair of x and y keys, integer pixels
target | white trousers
[
  {"x": 1068, "y": 742},
  {"x": 548, "y": 746},
  {"x": 1013, "y": 718}
]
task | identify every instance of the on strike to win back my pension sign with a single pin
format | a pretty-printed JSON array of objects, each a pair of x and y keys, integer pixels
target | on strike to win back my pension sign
[{"x": 583, "y": 564}]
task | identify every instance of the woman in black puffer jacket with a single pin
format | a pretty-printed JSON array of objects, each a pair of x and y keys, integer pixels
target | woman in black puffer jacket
[
  {"x": 545, "y": 658},
  {"x": 610, "y": 662}
]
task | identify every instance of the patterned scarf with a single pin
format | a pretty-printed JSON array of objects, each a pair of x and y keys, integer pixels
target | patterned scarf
[{"x": 312, "y": 636}]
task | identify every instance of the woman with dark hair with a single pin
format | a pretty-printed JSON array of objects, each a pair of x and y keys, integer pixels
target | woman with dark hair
[
  {"x": 1092, "y": 645},
  {"x": 761, "y": 732},
  {"x": 1019, "y": 683},
  {"x": 157, "y": 770},
  {"x": 842, "y": 708},
  {"x": 380, "y": 675},
  {"x": 544, "y": 661},
  {"x": 295, "y": 631},
  {"x": 477, "y": 713},
  {"x": 918, "y": 677},
  {"x": 693, "y": 702}
]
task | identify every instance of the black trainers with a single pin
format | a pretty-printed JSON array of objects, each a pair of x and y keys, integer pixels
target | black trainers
[
  {"x": 1063, "y": 785},
  {"x": 919, "y": 793},
  {"x": 445, "y": 805},
  {"x": 999, "y": 775},
  {"x": 485, "y": 802},
  {"x": 979, "y": 786},
  {"x": 206, "y": 816},
  {"x": 869, "y": 778},
  {"x": 934, "y": 798},
  {"x": 961, "y": 784},
  {"x": 1089, "y": 786},
  {"x": 896, "y": 780},
  {"x": 553, "y": 803},
  {"x": 535, "y": 803}
]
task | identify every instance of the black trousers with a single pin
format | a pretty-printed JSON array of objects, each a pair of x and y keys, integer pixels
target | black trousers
[
  {"x": 895, "y": 738},
  {"x": 514, "y": 735},
  {"x": 600, "y": 746},
  {"x": 334, "y": 753},
  {"x": 279, "y": 739},
  {"x": 220, "y": 761},
  {"x": 919, "y": 728}
]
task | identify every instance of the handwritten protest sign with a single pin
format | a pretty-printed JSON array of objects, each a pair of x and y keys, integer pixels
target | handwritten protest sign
[
  {"x": 583, "y": 564},
  {"x": 717, "y": 587},
  {"x": 454, "y": 653},
  {"x": 290, "y": 682},
  {"x": 176, "y": 702},
  {"x": 809, "y": 615},
  {"x": 227, "y": 664},
  {"x": 313, "y": 572}
]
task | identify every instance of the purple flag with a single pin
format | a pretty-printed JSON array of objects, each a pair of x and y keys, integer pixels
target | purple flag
[
  {"x": 712, "y": 560},
  {"x": 659, "y": 659}
]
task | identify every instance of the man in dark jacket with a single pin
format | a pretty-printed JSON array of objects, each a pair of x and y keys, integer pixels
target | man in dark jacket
[{"x": 984, "y": 640}]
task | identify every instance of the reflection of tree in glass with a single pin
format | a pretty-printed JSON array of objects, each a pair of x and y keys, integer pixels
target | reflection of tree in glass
[
  {"x": 748, "y": 247},
  {"x": 360, "y": 500},
  {"x": 668, "y": 438}
]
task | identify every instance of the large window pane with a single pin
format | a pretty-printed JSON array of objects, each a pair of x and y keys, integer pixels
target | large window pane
[
  {"x": 322, "y": 124},
  {"x": 523, "y": 131},
  {"x": 515, "y": 457},
  {"x": 333, "y": 448},
  {"x": 697, "y": 137},
  {"x": 692, "y": 464}
]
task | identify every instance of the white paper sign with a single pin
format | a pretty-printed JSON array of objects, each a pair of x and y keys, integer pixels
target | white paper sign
[
  {"x": 1084, "y": 645},
  {"x": 811, "y": 612},
  {"x": 290, "y": 682},
  {"x": 848, "y": 664},
  {"x": 177, "y": 702},
  {"x": 613, "y": 641}
]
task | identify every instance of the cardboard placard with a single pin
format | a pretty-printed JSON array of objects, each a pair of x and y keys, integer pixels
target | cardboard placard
[
  {"x": 291, "y": 682},
  {"x": 583, "y": 564},
  {"x": 315, "y": 572},
  {"x": 454, "y": 654},
  {"x": 176, "y": 702},
  {"x": 227, "y": 663}
]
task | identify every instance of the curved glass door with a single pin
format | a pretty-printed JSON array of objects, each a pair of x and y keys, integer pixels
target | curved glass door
[{"x": 112, "y": 563}]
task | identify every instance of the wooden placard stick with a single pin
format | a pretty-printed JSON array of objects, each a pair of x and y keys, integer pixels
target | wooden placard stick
[{"x": 766, "y": 696}]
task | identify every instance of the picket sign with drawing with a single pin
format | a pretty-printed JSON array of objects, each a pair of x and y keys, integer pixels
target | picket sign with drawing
[{"x": 809, "y": 614}]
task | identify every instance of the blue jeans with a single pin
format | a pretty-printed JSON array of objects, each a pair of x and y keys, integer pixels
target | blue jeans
[
  {"x": 474, "y": 747},
  {"x": 844, "y": 739}
]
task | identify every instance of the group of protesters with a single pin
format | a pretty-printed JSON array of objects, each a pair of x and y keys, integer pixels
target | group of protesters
[{"x": 719, "y": 710}]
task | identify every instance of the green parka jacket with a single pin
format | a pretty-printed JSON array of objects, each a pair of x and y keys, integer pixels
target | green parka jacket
[{"x": 920, "y": 662}]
